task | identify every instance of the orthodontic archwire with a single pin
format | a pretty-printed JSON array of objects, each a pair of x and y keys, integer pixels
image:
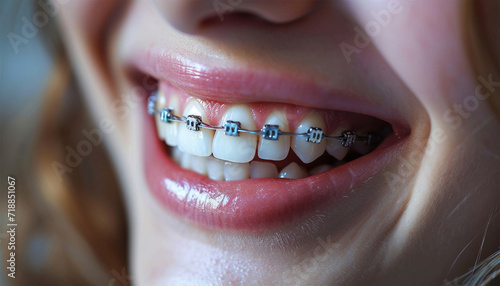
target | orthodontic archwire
[{"x": 269, "y": 132}]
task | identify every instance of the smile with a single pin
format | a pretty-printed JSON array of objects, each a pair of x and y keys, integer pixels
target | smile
[
  {"x": 207, "y": 161},
  {"x": 214, "y": 150}
]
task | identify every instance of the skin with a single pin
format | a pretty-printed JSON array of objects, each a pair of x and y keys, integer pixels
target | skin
[{"x": 421, "y": 221}]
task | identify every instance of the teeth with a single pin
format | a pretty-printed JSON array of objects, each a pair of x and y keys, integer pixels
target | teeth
[
  {"x": 275, "y": 150},
  {"x": 170, "y": 130},
  {"x": 293, "y": 171},
  {"x": 177, "y": 155},
  {"x": 334, "y": 147},
  {"x": 215, "y": 169},
  {"x": 320, "y": 169},
  {"x": 185, "y": 160},
  {"x": 199, "y": 164},
  {"x": 307, "y": 151},
  {"x": 197, "y": 143},
  {"x": 233, "y": 155},
  {"x": 238, "y": 149},
  {"x": 263, "y": 170},
  {"x": 361, "y": 148},
  {"x": 160, "y": 103},
  {"x": 236, "y": 171}
]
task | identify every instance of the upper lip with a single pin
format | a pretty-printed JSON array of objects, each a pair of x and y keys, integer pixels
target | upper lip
[{"x": 244, "y": 84}]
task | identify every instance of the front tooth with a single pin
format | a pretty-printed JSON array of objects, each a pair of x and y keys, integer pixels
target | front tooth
[
  {"x": 236, "y": 171},
  {"x": 170, "y": 130},
  {"x": 308, "y": 151},
  {"x": 160, "y": 104},
  {"x": 215, "y": 168},
  {"x": 334, "y": 147},
  {"x": 275, "y": 150},
  {"x": 263, "y": 170},
  {"x": 293, "y": 171},
  {"x": 320, "y": 169},
  {"x": 199, "y": 164},
  {"x": 238, "y": 149},
  {"x": 199, "y": 142}
]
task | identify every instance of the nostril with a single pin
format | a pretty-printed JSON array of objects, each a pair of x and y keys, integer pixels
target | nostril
[
  {"x": 233, "y": 19},
  {"x": 189, "y": 16}
]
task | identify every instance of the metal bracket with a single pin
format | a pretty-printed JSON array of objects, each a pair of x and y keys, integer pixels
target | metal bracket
[{"x": 193, "y": 122}]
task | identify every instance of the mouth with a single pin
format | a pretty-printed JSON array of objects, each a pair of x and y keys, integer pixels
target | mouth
[{"x": 222, "y": 153}]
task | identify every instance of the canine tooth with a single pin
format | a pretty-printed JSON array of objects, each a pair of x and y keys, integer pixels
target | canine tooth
[
  {"x": 320, "y": 169},
  {"x": 236, "y": 171},
  {"x": 275, "y": 150},
  {"x": 197, "y": 143},
  {"x": 293, "y": 171},
  {"x": 215, "y": 169},
  {"x": 160, "y": 103},
  {"x": 199, "y": 164},
  {"x": 238, "y": 149},
  {"x": 263, "y": 170},
  {"x": 308, "y": 151},
  {"x": 335, "y": 149},
  {"x": 170, "y": 130},
  {"x": 159, "y": 126}
]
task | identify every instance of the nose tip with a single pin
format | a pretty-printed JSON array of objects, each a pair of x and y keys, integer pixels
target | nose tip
[{"x": 187, "y": 15}]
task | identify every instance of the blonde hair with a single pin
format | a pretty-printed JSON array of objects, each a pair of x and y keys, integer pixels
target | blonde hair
[
  {"x": 71, "y": 231},
  {"x": 482, "y": 60}
]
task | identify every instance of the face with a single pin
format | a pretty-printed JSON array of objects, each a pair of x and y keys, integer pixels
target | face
[{"x": 382, "y": 166}]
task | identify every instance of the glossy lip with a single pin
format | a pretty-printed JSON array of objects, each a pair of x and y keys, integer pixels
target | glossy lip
[{"x": 255, "y": 204}]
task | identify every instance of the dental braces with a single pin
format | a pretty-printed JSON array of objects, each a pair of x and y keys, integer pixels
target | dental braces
[{"x": 268, "y": 132}]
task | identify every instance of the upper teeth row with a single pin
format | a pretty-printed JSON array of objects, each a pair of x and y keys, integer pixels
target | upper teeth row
[{"x": 269, "y": 131}]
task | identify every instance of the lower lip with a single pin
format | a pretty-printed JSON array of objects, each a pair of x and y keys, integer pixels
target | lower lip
[{"x": 256, "y": 204}]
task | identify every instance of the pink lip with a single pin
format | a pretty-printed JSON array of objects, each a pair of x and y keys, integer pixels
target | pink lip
[
  {"x": 252, "y": 204},
  {"x": 258, "y": 203}
]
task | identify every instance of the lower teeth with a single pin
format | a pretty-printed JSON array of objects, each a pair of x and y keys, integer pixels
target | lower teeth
[{"x": 221, "y": 170}]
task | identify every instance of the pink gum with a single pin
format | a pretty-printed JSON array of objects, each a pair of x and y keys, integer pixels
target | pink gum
[{"x": 359, "y": 123}]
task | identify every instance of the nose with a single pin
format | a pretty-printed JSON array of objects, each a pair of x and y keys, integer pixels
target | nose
[{"x": 187, "y": 15}]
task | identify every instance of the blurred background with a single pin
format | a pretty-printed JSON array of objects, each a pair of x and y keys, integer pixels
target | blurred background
[
  {"x": 24, "y": 68},
  {"x": 70, "y": 232}
]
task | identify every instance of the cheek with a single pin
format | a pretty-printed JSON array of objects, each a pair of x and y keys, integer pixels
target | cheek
[
  {"x": 91, "y": 16},
  {"x": 428, "y": 48}
]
